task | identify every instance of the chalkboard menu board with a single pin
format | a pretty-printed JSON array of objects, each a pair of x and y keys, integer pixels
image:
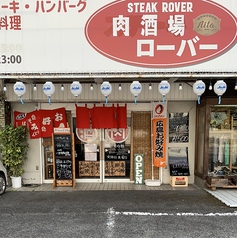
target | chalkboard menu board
[
  {"x": 63, "y": 169},
  {"x": 63, "y": 146},
  {"x": 178, "y": 161},
  {"x": 63, "y": 156},
  {"x": 63, "y": 160}
]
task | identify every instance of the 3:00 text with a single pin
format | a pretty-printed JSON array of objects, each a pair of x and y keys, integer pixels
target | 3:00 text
[{"x": 11, "y": 59}]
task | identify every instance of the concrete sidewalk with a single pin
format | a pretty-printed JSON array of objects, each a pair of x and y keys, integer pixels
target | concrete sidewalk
[{"x": 102, "y": 186}]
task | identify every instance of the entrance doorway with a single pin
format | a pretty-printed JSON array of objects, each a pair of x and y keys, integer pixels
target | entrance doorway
[{"x": 102, "y": 155}]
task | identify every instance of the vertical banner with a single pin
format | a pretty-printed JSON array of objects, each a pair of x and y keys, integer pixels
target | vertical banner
[
  {"x": 138, "y": 169},
  {"x": 159, "y": 141}
]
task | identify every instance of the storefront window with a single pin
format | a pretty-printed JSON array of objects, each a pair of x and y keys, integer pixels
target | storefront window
[{"x": 222, "y": 158}]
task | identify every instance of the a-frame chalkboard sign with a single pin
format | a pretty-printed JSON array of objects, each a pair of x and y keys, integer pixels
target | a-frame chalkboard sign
[{"x": 63, "y": 158}]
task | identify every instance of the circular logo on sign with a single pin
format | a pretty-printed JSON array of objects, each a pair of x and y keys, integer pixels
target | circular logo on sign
[
  {"x": 207, "y": 24},
  {"x": 159, "y": 109},
  {"x": 118, "y": 135},
  {"x": 86, "y": 135}
]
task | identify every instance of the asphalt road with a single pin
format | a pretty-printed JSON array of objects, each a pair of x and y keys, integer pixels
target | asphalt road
[{"x": 122, "y": 214}]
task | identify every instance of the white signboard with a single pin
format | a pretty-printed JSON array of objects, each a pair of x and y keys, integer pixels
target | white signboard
[{"x": 58, "y": 36}]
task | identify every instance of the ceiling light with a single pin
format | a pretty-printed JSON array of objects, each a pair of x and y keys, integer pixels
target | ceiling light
[
  {"x": 91, "y": 87},
  {"x": 180, "y": 86},
  {"x": 210, "y": 86},
  {"x": 236, "y": 84},
  {"x": 35, "y": 88},
  {"x": 150, "y": 86},
  {"x": 62, "y": 87},
  {"x": 4, "y": 88},
  {"x": 120, "y": 87}
]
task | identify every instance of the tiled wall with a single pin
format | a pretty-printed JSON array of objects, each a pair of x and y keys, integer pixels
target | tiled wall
[{"x": 141, "y": 142}]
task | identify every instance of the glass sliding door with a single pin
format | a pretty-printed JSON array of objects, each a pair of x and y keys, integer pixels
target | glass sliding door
[{"x": 102, "y": 154}]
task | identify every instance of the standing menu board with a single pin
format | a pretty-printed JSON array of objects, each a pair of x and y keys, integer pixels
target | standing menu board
[
  {"x": 63, "y": 159},
  {"x": 178, "y": 161}
]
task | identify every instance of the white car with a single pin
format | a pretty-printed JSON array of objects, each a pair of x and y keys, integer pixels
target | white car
[{"x": 3, "y": 179}]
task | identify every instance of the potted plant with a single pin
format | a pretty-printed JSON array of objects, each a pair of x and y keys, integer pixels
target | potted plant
[{"x": 14, "y": 151}]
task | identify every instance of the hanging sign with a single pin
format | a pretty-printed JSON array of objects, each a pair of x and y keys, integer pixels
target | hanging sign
[{"x": 159, "y": 142}]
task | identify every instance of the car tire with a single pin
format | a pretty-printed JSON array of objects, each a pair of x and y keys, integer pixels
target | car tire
[{"x": 3, "y": 184}]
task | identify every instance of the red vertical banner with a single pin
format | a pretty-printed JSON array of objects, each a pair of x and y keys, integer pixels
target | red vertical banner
[
  {"x": 59, "y": 117},
  {"x": 159, "y": 142},
  {"x": 46, "y": 122},
  {"x": 33, "y": 122}
]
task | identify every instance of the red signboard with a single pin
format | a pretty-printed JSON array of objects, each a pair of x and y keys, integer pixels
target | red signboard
[{"x": 162, "y": 34}]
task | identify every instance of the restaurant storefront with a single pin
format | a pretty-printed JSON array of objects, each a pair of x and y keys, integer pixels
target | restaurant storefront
[{"x": 142, "y": 57}]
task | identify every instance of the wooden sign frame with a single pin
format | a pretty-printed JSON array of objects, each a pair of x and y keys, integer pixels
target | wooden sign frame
[{"x": 64, "y": 182}]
